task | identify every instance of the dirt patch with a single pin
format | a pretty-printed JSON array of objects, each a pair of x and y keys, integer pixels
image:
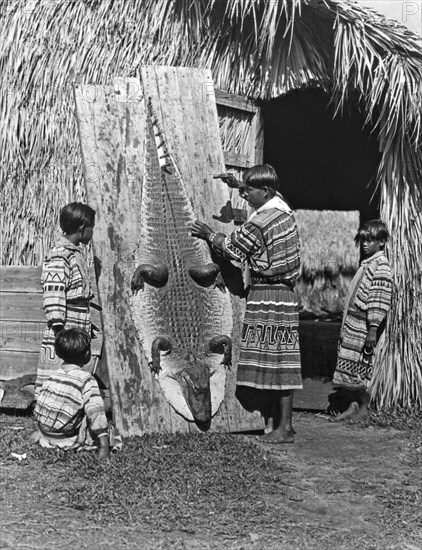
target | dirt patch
[{"x": 339, "y": 486}]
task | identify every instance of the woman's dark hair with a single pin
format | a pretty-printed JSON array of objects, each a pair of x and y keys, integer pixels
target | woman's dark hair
[
  {"x": 261, "y": 175},
  {"x": 75, "y": 214},
  {"x": 374, "y": 230},
  {"x": 72, "y": 346}
]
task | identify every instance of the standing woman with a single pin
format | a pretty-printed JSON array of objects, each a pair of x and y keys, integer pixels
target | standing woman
[
  {"x": 268, "y": 244},
  {"x": 66, "y": 284}
]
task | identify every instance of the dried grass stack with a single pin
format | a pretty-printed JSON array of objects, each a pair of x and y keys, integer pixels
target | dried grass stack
[
  {"x": 329, "y": 259},
  {"x": 254, "y": 47}
]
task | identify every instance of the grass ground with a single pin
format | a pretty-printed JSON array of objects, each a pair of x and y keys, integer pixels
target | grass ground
[{"x": 340, "y": 486}]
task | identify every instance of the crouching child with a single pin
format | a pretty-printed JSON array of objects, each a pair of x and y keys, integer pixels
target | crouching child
[{"x": 70, "y": 410}]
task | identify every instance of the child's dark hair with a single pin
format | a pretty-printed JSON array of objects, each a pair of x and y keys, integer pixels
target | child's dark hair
[
  {"x": 374, "y": 230},
  {"x": 72, "y": 345},
  {"x": 261, "y": 175},
  {"x": 74, "y": 215}
]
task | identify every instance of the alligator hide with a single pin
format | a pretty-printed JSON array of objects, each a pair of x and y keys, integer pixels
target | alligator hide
[{"x": 181, "y": 312}]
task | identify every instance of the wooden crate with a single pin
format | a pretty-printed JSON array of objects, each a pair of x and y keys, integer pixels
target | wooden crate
[{"x": 22, "y": 322}]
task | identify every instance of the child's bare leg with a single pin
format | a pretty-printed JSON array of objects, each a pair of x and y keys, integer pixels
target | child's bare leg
[
  {"x": 283, "y": 433},
  {"x": 269, "y": 426}
]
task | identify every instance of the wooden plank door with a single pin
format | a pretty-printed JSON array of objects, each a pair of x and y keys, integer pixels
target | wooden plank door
[{"x": 242, "y": 138}]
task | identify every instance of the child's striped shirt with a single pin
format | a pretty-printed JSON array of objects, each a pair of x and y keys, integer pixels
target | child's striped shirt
[{"x": 64, "y": 399}]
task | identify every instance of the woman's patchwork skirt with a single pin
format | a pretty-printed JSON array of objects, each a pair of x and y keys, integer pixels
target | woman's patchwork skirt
[{"x": 269, "y": 353}]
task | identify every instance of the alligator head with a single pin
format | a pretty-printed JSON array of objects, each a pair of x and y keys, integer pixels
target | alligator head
[{"x": 192, "y": 374}]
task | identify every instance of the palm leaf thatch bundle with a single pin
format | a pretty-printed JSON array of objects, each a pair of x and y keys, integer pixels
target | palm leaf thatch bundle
[
  {"x": 327, "y": 242},
  {"x": 258, "y": 48},
  {"x": 329, "y": 259}
]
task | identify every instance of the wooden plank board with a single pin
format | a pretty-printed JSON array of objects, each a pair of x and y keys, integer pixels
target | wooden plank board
[
  {"x": 27, "y": 279},
  {"x": 21, "y": 306},
  {"x": 257, "y": 155},
  {"x": 20, "y": 279},
  {"x": 22, "y": 336},
  {"x": 112, "y": 135},
  {"x": 189, "y": 121},
  {"x": 14, "y": 364},
  {"x": 236, "y": 159},
  {"x": 235, "y": 101}
]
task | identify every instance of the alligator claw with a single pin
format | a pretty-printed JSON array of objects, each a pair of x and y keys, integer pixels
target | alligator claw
[
  {"x": 207, "y": 275},
  {"x": 219, "y": 283},
  {"x": 155, "y": 366},
  {"x": 159, "y": 344},
  {"x": 155, "y": 275},
  {"x": 222, "y": 344},
  {"x": 137, "y": 283}
]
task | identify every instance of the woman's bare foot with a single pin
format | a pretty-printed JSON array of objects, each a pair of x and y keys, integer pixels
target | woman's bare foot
[
  {"x": 278, "y": 436},
  {"x": 352, "y": 411}
]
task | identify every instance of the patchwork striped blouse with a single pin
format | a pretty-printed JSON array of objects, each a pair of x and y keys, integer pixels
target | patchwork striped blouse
[
  {"x": 64, "y": 277},
  {"x": 371, "y": 290},
  {"x": 269, "y": 242},
  {"x": 65, "y": 397}
]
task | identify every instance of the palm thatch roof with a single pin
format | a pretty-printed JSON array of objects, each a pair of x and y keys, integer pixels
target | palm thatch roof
[
  {"x": 257, "y": 48},
  {"x": 327, "y": 242}
]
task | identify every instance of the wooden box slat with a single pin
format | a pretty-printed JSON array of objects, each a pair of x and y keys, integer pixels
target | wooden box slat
[
  {"x": 234, "y": 101},
  {"x": 21, "y": 306},
  {"x": 20, "y": 279},
  {"x": 14, "y": 364},
  {"x": 23, "y": 336}
]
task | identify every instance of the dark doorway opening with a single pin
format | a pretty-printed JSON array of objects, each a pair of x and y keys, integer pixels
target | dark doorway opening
[{"x": 323, "y": 164}]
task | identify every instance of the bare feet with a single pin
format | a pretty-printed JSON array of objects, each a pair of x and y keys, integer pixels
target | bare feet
[
  {"x": 352, "y": 411},
  {"x": 269, "y": 427},
  {"x": 278, "y": 436}
]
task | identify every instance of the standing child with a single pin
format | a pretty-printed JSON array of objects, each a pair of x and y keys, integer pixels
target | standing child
[
  {"x": 367, "y": 303},
  {"x": 69, "y": 409},
  {"x": 66, "y": 284}
]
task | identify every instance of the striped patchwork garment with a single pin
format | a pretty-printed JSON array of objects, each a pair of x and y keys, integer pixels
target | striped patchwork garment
[
  {"x": 66, "y": 294},
  {"x": 269, "y": 353},
  {"x": 367, "y": 303},
  {"x": 66, "y": 398}
]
